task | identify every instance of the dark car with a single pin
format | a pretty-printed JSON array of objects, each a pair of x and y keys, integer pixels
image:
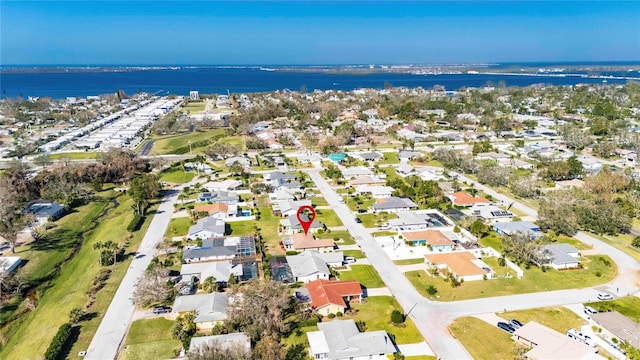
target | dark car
[
  {"x": 506, "y": 327},
  {"x": 515, "y": 324},
  {"x": 358, "y": 221},
  {"x": 362, "y": 211},
  {"x": 161, "y": 310}
]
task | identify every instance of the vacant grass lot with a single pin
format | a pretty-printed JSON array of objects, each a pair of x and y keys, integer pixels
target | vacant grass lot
[
  {"x": 195, "y": 107},
  {"x": 242, "y": 227},
  {"x": 150, "y": 339},
  {"x": 176, "y": 175},
  {"x": 557, "y": 318},
  {"x": 179, "y": 227},
  {"x": 482, "y": 340},
  {"x": 409, "y": 261},
  {"x": 268, "y": 225},
  {"x": 343, "y": 236},
  {"x": 534, "y": 280},
  {"x": 376, "y": 314},
  {"x": 628, "y": 306},
  {"x": 179, "y": 144},
  {"x": 318, "y": 201},
  {"x": 621, "y": 242},
  {"x": 494, "y": 240},
  {"x": 365, "y": 274},
  {"x": 328, "y": 217},
  {"x": 29, "y": 338},
  {"x": 390, "y": 158}
]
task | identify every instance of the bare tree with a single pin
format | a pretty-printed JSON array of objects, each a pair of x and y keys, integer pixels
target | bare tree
[
  {"x": 152, "y": 288},
  {"x": 522, "y": 249},
  {"x": 217, "y": 351}
]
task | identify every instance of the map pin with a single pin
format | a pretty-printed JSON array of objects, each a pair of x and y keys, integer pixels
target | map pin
[{"x": 306, "y": 223}]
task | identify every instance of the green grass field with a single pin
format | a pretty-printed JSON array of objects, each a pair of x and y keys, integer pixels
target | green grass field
[
  {"x": 74, "y": 155},
  {"x": 409, "y": 261},
  {"x": 494, "y": 240},
  {"x": 179, "y": 227},
  {"x": 628, "y": 306},
  {"x": 534, "y": 280},
  {"x": 390, "y": 158},
  {"x": 150, "y": 339},
  {"x": 28, "y": 337},
  {"x": 242, "y": 227},
  {"x": 319, "y": 201},
  {"x": 195, "y": 107},
  {"x": 482, "y": 340},
  {"x": 344, "y": 236},
  {"x": 557, "y": 318},
  {"x": 268, "y": 225},
  {"x": 176, "y": 175},
  {"x": 357, "y": 254},
  {"x": 365, "y": 274},
  {"x": 376, "y": 314},
  {"x": 621, "y": 242},
  {"x": 180, "y": 143},
  {"x": 328, "y": 217}
]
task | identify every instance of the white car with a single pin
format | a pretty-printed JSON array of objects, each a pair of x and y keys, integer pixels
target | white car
[
  {"x": 605, "y": 296},
  {"x": 349, "y": 260}
]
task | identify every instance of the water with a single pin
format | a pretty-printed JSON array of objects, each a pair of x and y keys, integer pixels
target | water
[{"x": 209, "y": 80}]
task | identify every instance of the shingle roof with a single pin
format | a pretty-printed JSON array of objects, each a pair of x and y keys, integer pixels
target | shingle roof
[
  {"x": 433, "y": 237},
  {"x": 226, "y": 341},
  {"x": 394, "y": 203},
  {"x": 306, "y": 264},
  {"x": 302, "y": 241},
  {"x": 325, "y": 292},
  {"x": 460, "y": 263},
  {"x": 340, "y": 339},
  {"x": 462, "y": 198},
  {"x": 208, "y": 307}
]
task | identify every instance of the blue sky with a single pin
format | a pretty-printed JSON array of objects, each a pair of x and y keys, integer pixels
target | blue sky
[{"x": 316, "y": 32}]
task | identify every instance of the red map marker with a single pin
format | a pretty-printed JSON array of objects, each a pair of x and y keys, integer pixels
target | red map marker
[{"x": 306, "y": 224}]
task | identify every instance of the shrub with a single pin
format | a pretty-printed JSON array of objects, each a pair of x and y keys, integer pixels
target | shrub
[
  {"x": 59, "y": 340},
  {"x": 502, "y": 261},
  {"x": 397, "y": 317},
  {"x": 135, "y": 222},
  {"x": 339, "y": 314},
  {"x": 598, "y": 273},
  {"x": 332, "y": 315},
  {"x": 432, "y": 290}
]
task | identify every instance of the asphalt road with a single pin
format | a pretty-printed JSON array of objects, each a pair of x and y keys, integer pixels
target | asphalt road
[{"x": 117, "y": 319}]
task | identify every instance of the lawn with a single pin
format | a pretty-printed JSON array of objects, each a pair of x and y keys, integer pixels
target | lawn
[
  {"x": 376, "y": 314},
  {"x": 495, "y": 241},
  {"x": 242, "y": 227},
  {"x": 74, "y": 155},
  {"x": 482, "y": 340},
  {"x": 628, "y": 306},
  {"x": 179, "y": 144},
  {"x": 409, "y": 261},
  {"x": 357, "y": 254},
  {"x": 195, "y": 107},
  {"x": 29, "y": 338},
  {"x": 328, "y": 217},
  {"x": 390, "y": 158},
  {"x": 365, "y": 274},
  {"x": 268, "y": 225},
  {"x": 176, "y": 175},
  {"x": 150, "y": 338},
  {"x": 621, "y": 242},
  {"x": 344, "y": 237},
  {"x": 384, "y": 233},
  {"x": 296, "y": 337},
  {"x": 534, "y": 280},
  {"x": 374, "y": 220},
  {"x": 366, "y": 202},
  {"x": 318, "y": 201},
  {"x": 179, "y": 227},
  {"x": 557, "y": 318}
]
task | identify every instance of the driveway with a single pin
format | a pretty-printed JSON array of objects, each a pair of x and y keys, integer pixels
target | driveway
[{"x": 416, "y": 349}]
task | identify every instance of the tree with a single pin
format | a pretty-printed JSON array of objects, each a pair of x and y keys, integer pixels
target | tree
[
  {"x": 232, "y": 280},
  {"x": 236, "y": 168},
  {"x": 636, "y": 242},
  {"x": 478, "y": 228},
  {"x": 142, "y": 189},
  {"x": 184, "y": 328},
  {"x": 397, "y": 317},
  {"x": 217, "y": 351},
  {"x": 43, "y": 160},
  {"x": 75, "y": 315},
  {"x": 493, "y": 175},
  {"x": 210, "y": 285},
  {"x": 268, "y": 348},
  {"x": 522, "y": 249},
  {"x": 153, "y": 287}
]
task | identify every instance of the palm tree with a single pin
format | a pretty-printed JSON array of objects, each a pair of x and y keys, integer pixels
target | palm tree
[
  {"x": 98, "y": 246},
  {"x": 113, "y": 247}
]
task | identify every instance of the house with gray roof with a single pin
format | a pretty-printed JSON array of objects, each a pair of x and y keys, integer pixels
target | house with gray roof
[
  {"x": 291, "y": 225},
  {"x": 206, "y": 228},
  {"x": 370, "y": 156},
  {"x": 394, "y": 204},
  {"x": 221, "y": 248},
  {"x": 616, "y": 325},
  {"x": 246, "y": 163},
  {"x": 210, "y": 309},
  {"x": 525, "y": 227},
  {"x": 561, "y": 256},
  {"x": 313, "y": 265},
  {"x": 341, "y": 340},
  {"x": 45, "y": 210},
  {"x": 220, "y": 271},
  {"x": 226, "y": 342}
]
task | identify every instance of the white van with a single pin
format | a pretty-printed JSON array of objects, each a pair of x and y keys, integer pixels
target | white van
[
  {"x": 585, "y": 339},
  {"x": 589, "y": 310}
]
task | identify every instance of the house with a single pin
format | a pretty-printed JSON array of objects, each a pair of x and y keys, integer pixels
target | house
[
  {"x": 356, "y": 171},
  {"x": 221, "y": 248},
  {"x": 231, "y": 341},
  {"x": 288, "y": 207},
  {"x": 372, "y": 156},
  {"x": 366, "y": 180},
  {"x": 525, "y": 227},
  {"x": 394, "y": 204},
  {"x": 569, "y": 184},
  {"x": 226, "y": 185},
  {"x": 218, "y": 210},
  {"x": 301, "y": 242},
  {"x": 517, "y": 163},
  {"x": 328, "y": 297},
  {"x": 220, "y": 271},
  {"x": 492, "y": 156},
  {"x": 375, "y": 191},
  {"x": 210, "y": 309},
  {"x": 227, "y": 197},
  {"x": 274, "y": 176},
  {"x": 561, "y": 256},
  {"x": 198, "y": 167},
  {"x": 246, "y": 163},
  {"x": 406, "y": 155},
  {"x": 590, "y": 164},
  {"x": 45, "y": 210},
  {"x": 313, "y": 265},
  {"x": 429, "y": 174},
  {"x": 490, "y": 213},
  {"x": 616, "y": 325},
  {"x": 461, "y": 198},
  {"x": 291, "y": 225},
  {"x": 550, "y": 344},
  {"x": 463, "y": 265},
  {"x": 9, "y": 264},
  {"x": 206, "y": 228},
  {"x": 404, "y": 169},
  {"x": 417, "y": 221},
  {"x": 434, "y": 238},
  {"x": 280, "y": 194},
  {"x": 341, "y": 340}
]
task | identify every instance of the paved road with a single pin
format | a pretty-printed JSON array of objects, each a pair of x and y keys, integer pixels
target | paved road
[{"x": 117, "y": 319}]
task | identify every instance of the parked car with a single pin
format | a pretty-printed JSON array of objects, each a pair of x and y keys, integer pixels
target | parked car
[
  {"x": 362, "y": 211},
  {"x": 506, "y": 327},
  {"x": 589, "y": 310},
  {"x": 583, "y": 338},
  {"x": 605, "y": 296},
  {"x": 515, "y": 324},
  {"x": 349, "y": 260},
  {"x": 161, "y": 310},
  {"x": 358, "y": 221}
]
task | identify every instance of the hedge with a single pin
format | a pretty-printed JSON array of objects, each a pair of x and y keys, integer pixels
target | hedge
[
  {"x": 57, "y": 344},
  {"x": 135, "y": 223}
]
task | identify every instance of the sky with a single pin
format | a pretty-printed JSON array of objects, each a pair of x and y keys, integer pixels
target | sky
[{"x": 316, "y": 32}]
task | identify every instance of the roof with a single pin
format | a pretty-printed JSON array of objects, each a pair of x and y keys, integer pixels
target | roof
[
  {"x": 208, "y": 224},
  {"x": 365, "y": 180},
  {"x": 325, "y": 292},
  {"x": 460, "y": 263},
  {"x": 489, "y": 212},
  {"x": 341, "y": 339},
  {"x": 411, "y": 218},
  {"x": 517, "y": 226},
  {"x": 620, "y": 326},
  {"x": 295, "y": 224},
  {"x": 226, "y": 341},
  {"x": 212, "y": 208},
  {"x": 230, "y": 246},
  {"x": 208, "y": 307},
  {"x": 433, "y": 237},
  {"x": 355, "y": 171},
  {"x": 559, "y": 253},
  {"x": 307, "y": 263},
  {"x": 219, "y": 270},
  {"x": 302, "y": 241},
  {"x": 45, "y": 209},
  {"x": 462, "y": 198},
  {"x": 394, "y": 202},
  {"x": 551, "y": 344}
]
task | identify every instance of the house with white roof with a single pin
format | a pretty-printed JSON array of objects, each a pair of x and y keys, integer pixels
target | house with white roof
[
  {"x": 313, "y": 265},
  {"x": 220, "y": 271},
  {"x": 341, "y": 340},
  {"x": 210, "y": 309},
  {"x": 375, "y": 191},
  {"x": 561, "y": 256},
  {"x": 354, "y": 171},
  {"x": 489, "y": 213},
  {"x": 206, "y": 228}
]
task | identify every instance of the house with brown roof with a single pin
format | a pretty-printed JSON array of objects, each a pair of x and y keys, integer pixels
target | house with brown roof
[
  {"x": 367, "y": 180},
  {"x": 302, "y": 242},
  {"x": 434, "y": 238},
  {"x": 218, "y": 210},
  {"x": 461, "y": 198},
  {"x": 463, "y": 265},
  {"x": 330, "y": 297}
]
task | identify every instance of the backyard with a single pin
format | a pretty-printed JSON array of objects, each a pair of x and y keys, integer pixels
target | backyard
[
  {"x": 176, "y": 175},
  {"x": 328, "y": 217},
  {"x": 534, "y": 280}
]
